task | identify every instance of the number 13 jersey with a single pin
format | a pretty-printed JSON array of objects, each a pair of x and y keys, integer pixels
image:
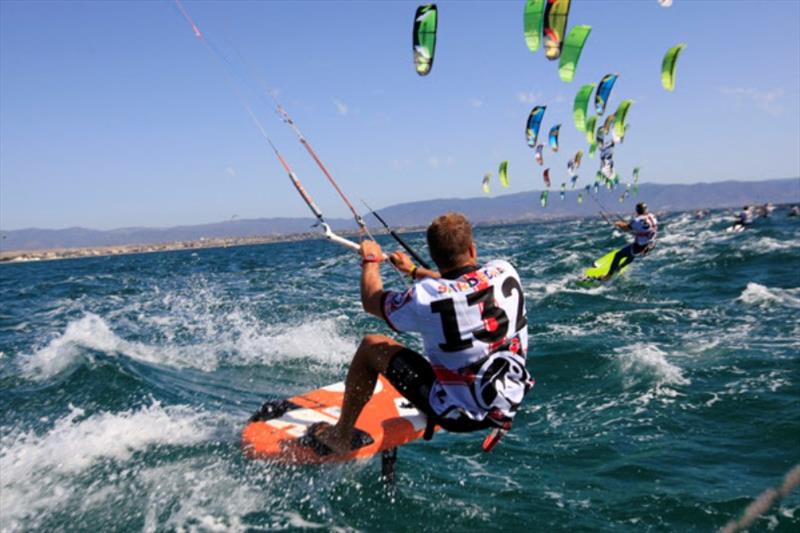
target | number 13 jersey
[{"x": 475, "y": 334}]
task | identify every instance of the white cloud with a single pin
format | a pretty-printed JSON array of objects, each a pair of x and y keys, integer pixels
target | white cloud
[
  {"x": 341, "y": 107},
  {"x": 441, "y": 161},
  {"x": 230, "y": 171},
  {"x": 766, "y": 101},
  {"x": 475, "y": 102},
  {"x": 529, "y": 97}
]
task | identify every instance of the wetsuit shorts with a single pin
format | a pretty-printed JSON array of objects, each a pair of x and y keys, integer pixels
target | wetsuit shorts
[{"x": 412, "y": 375}]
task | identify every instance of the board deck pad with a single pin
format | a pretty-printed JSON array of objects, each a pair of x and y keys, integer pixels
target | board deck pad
[
  {"x": 274, "y": 433},
  {"x": 592, "y": 276}
]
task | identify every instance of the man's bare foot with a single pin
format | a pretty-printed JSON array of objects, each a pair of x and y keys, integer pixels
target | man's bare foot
[{"x": 332, "y": 437}]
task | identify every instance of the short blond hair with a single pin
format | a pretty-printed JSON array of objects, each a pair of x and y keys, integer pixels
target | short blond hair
[{"x": 449, "y": 238}]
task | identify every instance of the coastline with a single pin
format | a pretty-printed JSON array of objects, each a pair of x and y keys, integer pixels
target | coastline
[{"x": 51, "y": 254}]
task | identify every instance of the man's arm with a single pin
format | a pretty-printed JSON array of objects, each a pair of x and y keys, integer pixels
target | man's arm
[
  {"x": 371, "y": 282},
  {"x": 625, "y": 226},
  {"x": 406, "y": 266}
]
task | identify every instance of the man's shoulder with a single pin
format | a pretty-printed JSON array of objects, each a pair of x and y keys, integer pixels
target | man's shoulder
[
  {"x": 498, "y": 264},
  {"x": 499, "y": 267}
]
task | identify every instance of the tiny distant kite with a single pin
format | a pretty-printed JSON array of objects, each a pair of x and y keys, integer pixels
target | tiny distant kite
[
  {"x": 502, "y": 173},
  {"x": 553, "y": 137},
  {"x": 668, "y": 66},
  {"x": 425, "y": 22},
  {"x": 620, "y": 124},
  {"x": 581, "y": 105},
  {"x": 534, "y": 11},
  {"x": 571, "y": 53},
  {"x": 554, "y": 27},
  {"x": 533, "y": 124},
  {"x": 603, "y": 92},
  {"x": 486, "y": 178}
]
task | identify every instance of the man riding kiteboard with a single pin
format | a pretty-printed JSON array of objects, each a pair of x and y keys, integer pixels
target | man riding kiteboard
[
  {"x": 644, "y": 227},
  {"x": 472, "y": 320}
]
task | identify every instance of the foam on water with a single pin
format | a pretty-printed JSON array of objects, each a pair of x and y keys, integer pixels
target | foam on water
[
  {"x": 199, "y": 495},
  {"x": 768, "y": 244},
  {"x": 243, "y": 344},
  {"x": 759, "y": 295},
  {"x": 643, "y": 362},
  {"x": 39, "y": 469}
]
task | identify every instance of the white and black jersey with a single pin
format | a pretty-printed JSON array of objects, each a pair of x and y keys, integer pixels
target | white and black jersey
[{"x": 475, "y": 334}]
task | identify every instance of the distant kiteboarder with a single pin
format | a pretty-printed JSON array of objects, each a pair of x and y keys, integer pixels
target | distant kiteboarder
[
  {"x": 644, "y": 227},
  {"x": 744, "y": 219}
]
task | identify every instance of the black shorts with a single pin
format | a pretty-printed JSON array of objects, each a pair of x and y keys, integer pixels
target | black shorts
[{"x": 413, "y": 377}]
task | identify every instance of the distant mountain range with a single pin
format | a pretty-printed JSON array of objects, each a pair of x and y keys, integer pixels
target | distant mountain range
[{"x": 516, "y": 207}]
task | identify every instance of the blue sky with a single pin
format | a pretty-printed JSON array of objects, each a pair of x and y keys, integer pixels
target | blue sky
[{"x": 112, "y": 114}]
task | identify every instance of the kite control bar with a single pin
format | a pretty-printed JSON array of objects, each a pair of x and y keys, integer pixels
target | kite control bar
[
  {"x": 331, "y": 236},
  {"x": 338, "y": 239}
]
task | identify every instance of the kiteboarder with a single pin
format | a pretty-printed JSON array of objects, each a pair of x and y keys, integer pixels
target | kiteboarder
[
  {"x": 745, "y": 218},
  {"x": 644, "y": 227},
  {"x": 471, "y": 374}
]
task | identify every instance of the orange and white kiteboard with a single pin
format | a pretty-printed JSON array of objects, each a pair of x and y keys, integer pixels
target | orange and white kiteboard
[{"x": 276, "y": 432}]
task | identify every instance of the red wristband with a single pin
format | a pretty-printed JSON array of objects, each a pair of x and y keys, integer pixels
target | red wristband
[{"x": 371, "y": 258}]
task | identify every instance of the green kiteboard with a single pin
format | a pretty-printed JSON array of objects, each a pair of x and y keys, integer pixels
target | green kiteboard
[{"x": 593, "y": 276}]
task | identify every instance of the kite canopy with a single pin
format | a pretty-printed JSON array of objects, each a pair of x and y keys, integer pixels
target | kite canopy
[
  {"x": 546, "y": 176},
  {"x": 425, "y": 22},
  {"x": 620, "y": 126},
  {"x": 486, "y": 178},
  {"x": 590, "y": 125},
  {"x": 668, "y": 66},
  {"x": 543, "y": 198},
  {"x": 603, "y": 92},
  {"x": 502, "y": 173},
  {"x": 539, "y": 156},
  {"x": 553, "y": 137},
  {"x": 592, "y": 149},
  {"x": 554, "y": 27},
  {"x": 534, "y": 10},
  {"x": 533, "y": 124},
  {"x": 607, "y": 125},
  {"x": 577, "y": 159},
  {"x": 571, "y": 53},
  {"x": 581, "y": 105}
]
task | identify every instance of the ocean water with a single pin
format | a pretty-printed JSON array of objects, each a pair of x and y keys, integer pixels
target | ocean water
[{"x": 664, "y": 401}]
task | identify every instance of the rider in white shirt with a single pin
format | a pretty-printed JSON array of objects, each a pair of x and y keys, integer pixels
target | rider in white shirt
[
  {"x": 471, "y": 374},
  {"x": 644, "y": 227}
]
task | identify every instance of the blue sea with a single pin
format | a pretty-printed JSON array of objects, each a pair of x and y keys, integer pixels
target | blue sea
[{"x": 664, "y": 401}]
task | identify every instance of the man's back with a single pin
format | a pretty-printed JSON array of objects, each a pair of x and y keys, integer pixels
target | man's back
[
  {"x": 470, "y": 325},
  {"x": 645, "y": 228}
]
